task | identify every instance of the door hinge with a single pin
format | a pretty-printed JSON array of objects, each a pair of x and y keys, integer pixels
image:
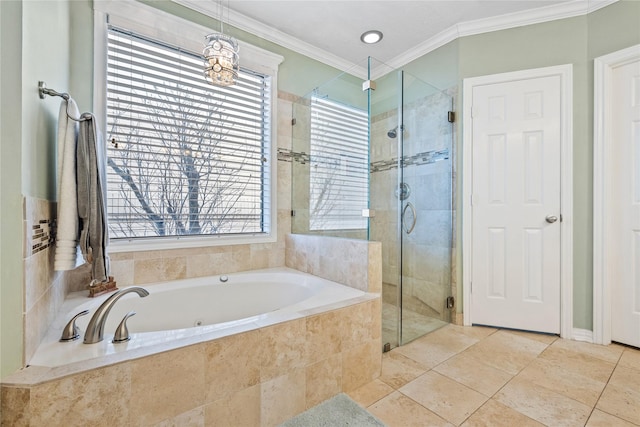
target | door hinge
[
  {"x": 293, "y": 122},
  {"x": 451, "y": 116},
  {"x": 560, "y": 217},
  {"x": 293, "y": 213}
]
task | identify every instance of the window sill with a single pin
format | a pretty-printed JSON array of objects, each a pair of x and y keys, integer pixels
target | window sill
[{"x": 156, "y": 244}]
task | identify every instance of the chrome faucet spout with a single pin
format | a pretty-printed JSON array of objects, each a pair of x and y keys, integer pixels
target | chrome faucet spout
[{"x": 95, "y": 328}]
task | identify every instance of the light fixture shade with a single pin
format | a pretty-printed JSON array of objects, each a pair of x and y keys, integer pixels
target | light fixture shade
[{"x": 221, "y": 59}]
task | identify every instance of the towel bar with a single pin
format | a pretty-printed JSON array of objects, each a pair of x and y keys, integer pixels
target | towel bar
[{"x": 44, "y": 90}]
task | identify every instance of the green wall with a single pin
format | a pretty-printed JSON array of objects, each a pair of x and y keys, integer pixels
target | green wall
[
  {"x": 574, "y": 41},
  {"x": 541, "y": 45},
  {"x": 10, "y": 184}
]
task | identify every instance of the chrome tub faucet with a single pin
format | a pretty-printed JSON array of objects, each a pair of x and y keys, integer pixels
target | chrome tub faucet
[{"x": 95, "y": 328}]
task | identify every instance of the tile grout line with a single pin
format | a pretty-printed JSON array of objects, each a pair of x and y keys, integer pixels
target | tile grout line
[
  {"x": 505, "y": 384},
  {"x": 604, "y": 388}
]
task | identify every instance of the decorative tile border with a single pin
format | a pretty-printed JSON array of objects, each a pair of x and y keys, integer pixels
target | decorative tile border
[
  {"x": 287, "y": 155},
  {"x": 42, "y": 235},
  {"x": 424, "y": 158}
]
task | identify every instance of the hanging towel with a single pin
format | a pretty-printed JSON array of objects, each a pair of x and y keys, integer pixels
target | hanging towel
[
  {"x": 67, "y": 227},
  {"x": 92, "y": 197}
]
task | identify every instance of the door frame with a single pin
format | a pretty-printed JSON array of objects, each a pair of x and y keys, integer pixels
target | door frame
[
  {"x": 602, "y": 204},
  {"x": 565, "y": 72}
]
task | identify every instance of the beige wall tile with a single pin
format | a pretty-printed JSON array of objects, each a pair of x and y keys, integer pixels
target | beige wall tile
[
  {"x": 192, "y": 418},
  {"x": 37, "y": 277},
  {"x": 232, "y": 364},
  {"x": 122, "y": 272},
  {"x": 239, "y": 409},
  {"x": 166, "y": 385},
  {"x": 283, "y": 397},
  {"x": 96, "y": 398},
  {"x": 324, "y": 335},
  {"x": 361, "y": 364},
  {"x": 358, "y": 323},
  {"x": 283, "y": 349},
  {"x": 150, "y": 270},
  {"x": 16, "y": 407},
  {"x": 323, "y": 380}
]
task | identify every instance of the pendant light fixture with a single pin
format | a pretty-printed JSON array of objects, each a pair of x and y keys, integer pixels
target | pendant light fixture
[{"x": 221, "y": 57}]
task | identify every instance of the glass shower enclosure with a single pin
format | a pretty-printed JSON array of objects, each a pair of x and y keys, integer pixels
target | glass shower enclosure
[{"x": 377, "y": 164}]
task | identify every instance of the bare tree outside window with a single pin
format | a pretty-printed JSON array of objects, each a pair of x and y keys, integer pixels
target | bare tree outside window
[
  {"x": 181, "y": 161},
  {"x": 339, "y": 166}
]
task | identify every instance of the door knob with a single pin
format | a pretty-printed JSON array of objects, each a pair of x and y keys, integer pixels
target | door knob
[{"x": 551, "y": 219}]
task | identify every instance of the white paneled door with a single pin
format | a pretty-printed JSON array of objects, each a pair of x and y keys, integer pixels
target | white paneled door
[
  {"x": 515, "y": 202},
  {"x": 625, "y": 194}
]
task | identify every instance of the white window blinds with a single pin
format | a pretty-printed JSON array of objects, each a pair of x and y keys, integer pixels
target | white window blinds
[
  {"x": 339, "y": 176},
  {"x": 184, "y": 157}
]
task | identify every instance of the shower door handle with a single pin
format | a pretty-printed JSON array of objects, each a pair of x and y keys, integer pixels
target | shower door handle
[{"x": 408, "y": 230}]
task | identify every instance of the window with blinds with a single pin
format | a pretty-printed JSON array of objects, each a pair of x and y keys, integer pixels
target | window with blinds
[
  {"x": 184, "y": 158},
  {"x": 339, "y": 175}
]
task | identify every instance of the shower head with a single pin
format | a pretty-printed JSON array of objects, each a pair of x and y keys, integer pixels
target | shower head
[{"x": 393, "y": 132}]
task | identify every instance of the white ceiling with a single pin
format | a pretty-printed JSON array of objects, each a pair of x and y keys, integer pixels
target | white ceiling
[{"x": 330, "y": 31}]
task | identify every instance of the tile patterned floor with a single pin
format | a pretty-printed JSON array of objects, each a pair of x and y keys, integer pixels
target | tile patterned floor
[{"x": 476, "y": 376}]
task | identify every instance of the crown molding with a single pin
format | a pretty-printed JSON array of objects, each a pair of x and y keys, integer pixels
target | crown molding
[
  {"x": 502, "y": 22},
  {"x": 259, "y": 29},
  {"x": 563, "y": 10}
]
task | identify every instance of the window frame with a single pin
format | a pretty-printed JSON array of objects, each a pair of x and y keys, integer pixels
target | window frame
[{"x": 156, "y": 24}]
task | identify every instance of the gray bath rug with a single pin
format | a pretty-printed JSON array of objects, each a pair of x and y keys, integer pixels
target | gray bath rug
[{"x": 339, "y": 411}]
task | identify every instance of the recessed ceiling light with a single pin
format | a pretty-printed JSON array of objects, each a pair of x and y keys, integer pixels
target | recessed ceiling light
[{"x": 371, "y": 36}]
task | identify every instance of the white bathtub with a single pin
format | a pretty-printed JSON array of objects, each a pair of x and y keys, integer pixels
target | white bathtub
[{"x": 194, "y": 310}]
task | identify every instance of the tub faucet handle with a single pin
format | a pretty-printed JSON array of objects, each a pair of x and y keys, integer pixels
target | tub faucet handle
[
  {"x": 122, "y": 332},
  {"x": 71, "y": 331}
]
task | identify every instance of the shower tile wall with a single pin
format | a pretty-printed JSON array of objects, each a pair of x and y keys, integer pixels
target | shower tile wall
[{"x": 427, "y": 158}]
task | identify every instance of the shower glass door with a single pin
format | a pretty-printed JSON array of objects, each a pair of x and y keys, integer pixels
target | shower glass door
[{"x": 424, "y": 207}]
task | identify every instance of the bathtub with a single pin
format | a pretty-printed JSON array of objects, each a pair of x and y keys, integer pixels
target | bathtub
[{"x": 190, "y": 311}]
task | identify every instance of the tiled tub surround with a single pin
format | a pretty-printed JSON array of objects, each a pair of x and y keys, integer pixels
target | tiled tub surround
[
  {"x": 259, "y": 377},
  {"x": 255, "y": 377},
  {"x": 205, "y": 306},
  {"x": 353, "y": 262}
]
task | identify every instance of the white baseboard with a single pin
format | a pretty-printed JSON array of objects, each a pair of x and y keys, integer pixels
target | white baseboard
[{"x": 584, "y": 335}]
